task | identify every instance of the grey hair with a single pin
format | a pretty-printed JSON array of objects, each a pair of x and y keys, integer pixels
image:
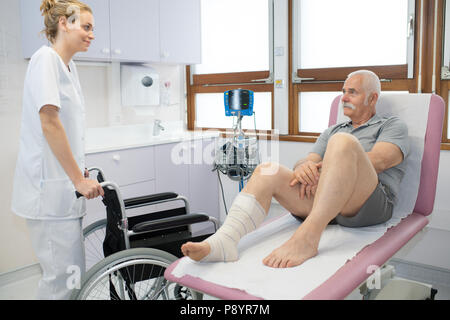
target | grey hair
[{"x": 371, "y": 83}]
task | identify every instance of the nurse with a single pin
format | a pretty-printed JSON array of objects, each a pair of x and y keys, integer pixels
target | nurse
[{"x": 50, "y": 164}]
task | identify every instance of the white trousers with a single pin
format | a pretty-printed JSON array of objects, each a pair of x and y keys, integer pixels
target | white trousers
[{"x": 59, "y": 247}]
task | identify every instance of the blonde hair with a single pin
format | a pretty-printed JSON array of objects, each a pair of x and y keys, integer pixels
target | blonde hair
[{"x": 52, "y": 10}]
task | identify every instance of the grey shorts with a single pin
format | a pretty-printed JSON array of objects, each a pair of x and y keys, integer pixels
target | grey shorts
[{"x": 377, "y": 209}]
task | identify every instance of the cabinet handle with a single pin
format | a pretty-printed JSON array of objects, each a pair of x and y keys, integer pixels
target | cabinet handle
[
  {"x": 105, "y": 50},
  {"x": 165, "y": 54},
  {"x": 116, "y": 157},
  {"x": 117, "y": 51}
]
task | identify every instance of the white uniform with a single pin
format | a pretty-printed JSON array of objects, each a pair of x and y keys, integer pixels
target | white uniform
[{"x": 42, "y": 191}]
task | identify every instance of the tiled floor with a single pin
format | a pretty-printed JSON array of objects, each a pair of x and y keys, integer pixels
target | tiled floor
[{"x": 20, "y": 290}]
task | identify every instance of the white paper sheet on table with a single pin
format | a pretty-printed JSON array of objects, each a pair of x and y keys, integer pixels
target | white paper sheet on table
[{"x": 337, "y": 245}]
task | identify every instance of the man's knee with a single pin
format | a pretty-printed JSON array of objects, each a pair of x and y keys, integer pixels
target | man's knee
[
  {"x": 343, "y": 141},
  {"x": 267, "y": 169}
]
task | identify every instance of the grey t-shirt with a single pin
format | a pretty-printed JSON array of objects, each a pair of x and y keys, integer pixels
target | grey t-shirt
[{"x": 379, "y": 128}]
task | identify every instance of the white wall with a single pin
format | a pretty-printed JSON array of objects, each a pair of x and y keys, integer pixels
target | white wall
[{"x": 430, "y": 247}]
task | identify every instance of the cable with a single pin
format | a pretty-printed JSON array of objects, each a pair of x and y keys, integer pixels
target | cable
[{"x": 223, "y": 195}]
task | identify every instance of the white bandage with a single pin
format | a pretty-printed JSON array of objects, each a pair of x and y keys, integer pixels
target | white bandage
[{"x": 245, "y": 215}]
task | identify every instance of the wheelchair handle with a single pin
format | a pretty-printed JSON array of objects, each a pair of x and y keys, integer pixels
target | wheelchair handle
[
  {"x": 103, "y": 185},
  {"x": 100, "y": 179}
]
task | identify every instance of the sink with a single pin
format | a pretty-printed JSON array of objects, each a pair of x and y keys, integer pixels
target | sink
[{"x": 119, "y": 137}]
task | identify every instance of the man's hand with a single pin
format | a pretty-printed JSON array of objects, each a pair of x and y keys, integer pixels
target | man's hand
[{"x": 307, "y": 174}]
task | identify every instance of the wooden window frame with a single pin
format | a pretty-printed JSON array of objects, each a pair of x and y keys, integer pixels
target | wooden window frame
[
  {"x": 221, "y": 82},
  {"x": 332, "y": 79}
]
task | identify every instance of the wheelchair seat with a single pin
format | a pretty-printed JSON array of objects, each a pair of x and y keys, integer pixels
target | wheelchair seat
[{"x": 166, "y": 230}]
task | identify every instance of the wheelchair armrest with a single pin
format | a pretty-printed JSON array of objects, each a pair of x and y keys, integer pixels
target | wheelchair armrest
[
  {"x": 171, "y": 222},
  {"x": 137, "y": 201}
]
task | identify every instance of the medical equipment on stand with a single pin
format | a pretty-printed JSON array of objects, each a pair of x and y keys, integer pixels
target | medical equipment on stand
[{"x": 238, "y": 156}]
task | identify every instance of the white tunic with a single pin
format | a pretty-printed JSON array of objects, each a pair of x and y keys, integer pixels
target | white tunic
[{"x": 42, "y": 189}]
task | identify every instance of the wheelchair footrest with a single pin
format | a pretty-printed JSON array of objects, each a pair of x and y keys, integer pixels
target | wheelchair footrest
[{"x": 170, "y": 222}]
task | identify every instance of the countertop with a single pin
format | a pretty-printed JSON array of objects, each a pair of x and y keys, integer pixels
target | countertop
[{"x": 135, "y": 136}]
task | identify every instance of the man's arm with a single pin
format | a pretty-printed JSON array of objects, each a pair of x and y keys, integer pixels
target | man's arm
[
  {"x": 385, "y": 155},
  {"x": 306, "y": 171},
  {"x": 314, "y": 157}
]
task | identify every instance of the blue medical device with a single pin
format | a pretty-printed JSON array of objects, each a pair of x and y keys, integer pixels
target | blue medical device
[
  {"x": 238, "y": 102},
  {"x": 238, "y": 156}
]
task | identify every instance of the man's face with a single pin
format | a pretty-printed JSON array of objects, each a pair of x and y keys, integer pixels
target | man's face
[{"x": 354, "y": 97}]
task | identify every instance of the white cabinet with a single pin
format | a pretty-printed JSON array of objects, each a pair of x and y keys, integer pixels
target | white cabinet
[
  {"x": 203, "y": 184},
  {"x": 180, "y": 31},
  {"x": 184, "y": 169},
  {"x": 32, "y": 25},
  {"x": 132, "y": 170},
  {"x": 134, "y": 30},
  {"x": 100, "y": 47},
  {"x": 125, "y": 167},
  {"x": 171, "y": 175},
  {"x": 129, "y": 31}
]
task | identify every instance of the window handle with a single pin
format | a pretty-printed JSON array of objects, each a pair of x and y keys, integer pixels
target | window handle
[
  {"x": 296, "y": 79},
  {"x": 266, "y": 80},
  {"x": 445, "y": 72},
  {"x": 411, "y": 26}
]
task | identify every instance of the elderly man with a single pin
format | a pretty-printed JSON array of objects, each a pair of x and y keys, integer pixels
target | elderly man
[{"x": 351, "y": 177}]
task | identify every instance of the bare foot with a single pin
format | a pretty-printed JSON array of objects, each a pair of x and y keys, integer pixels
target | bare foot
[
  {"x": 292, "y": 253},
  {"x": 196, "y": 250}
]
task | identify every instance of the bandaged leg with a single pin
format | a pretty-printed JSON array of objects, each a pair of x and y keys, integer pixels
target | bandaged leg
[{"x": 245, "y": 215}]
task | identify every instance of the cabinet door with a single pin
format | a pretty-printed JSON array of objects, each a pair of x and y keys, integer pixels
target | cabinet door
[
  {"x": 125, "y": 167},
  {"x": 180, "y": 31},
  {"x": 32, "y": 24},
  {"x": 171, "y": 174},
  {"x": 100, "y": 47},
  {"x": 203, "y": 184},
  {"x": 134, "y": 30}
]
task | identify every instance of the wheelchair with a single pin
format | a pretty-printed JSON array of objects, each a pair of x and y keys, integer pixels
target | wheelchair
[{"x": 126, "y": 257}]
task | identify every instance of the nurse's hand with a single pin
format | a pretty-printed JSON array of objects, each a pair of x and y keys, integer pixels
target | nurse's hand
[{"x": 90, "y": 189}]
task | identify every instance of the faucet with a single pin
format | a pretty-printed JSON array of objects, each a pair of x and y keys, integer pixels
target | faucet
[{"x": 157, "y": 127}]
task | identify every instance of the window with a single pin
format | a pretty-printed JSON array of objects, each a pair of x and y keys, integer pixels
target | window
[
  {"x": 444, "y": 88},
  {"x": 237, "y": 52},
  {"x": 233, "y": 40},
  {"x": 446, "y": 43},
  {"x": 332, "y": 38},
  {"x": 315, "y": 120},
  {"x": 353, "y": 33}
]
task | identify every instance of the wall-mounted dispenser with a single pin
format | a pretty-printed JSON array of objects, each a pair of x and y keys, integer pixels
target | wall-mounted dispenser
[{"x": 139, "y": 86}]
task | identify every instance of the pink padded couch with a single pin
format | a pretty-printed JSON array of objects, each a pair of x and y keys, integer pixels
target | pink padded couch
[{"x": 355, "y": 271}]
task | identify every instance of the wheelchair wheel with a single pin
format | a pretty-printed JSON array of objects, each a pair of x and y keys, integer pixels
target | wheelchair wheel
[
  {"x": 94, "y": 234},
  {"x": 134, "y": 274}
]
